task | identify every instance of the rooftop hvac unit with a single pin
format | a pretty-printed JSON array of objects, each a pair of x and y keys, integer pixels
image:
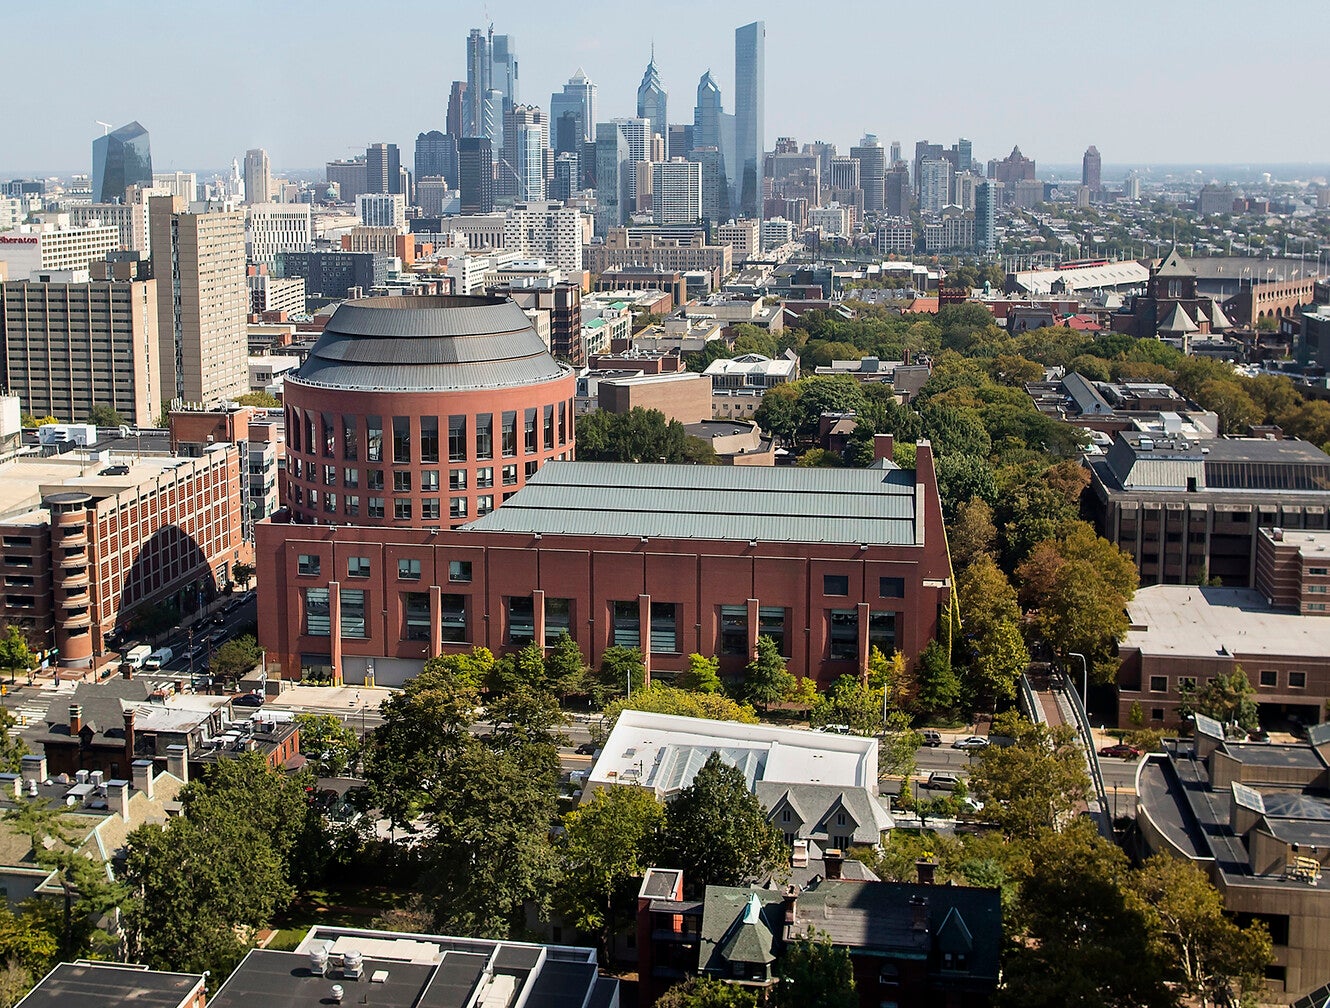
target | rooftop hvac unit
[
  {"x": 353, "y": 964},
  {"x": 318, "y": 959}
]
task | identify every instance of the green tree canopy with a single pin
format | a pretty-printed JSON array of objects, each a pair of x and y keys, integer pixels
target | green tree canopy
[
  {"x": 328, "y": 743},
  {"x": 701, "y": 676},
  {"x": 766, "y": 680},
  {"x": 640, "y": 435},
  {"x": 661, "y": 699},
  {"x": 815, "y": 974},
  {"x": 1035, "y": 784},
  {"x": 704, "y": 992},
  {"x": 1229, "y": 698}
]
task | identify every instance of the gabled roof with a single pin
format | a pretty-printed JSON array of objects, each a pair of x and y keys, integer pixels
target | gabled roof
[
  {"x": 953, "y": 935},
  {"x": 1218, "y": 320},
  {"x": 1174, "y": 266},
  {"x": 1178, "y": 321}
]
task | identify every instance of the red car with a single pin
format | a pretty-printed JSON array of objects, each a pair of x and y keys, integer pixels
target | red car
[{"x": 1121, "y": 751}]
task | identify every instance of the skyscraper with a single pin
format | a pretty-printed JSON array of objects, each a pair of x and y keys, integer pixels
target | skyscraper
[
  {"x": 456, "y": 110},
  {"x": 934, "y": 185},
  {"x": 895, "y": 151},
  {"x": 383, "y": 164},
  {"x": 612, "y": 158},
  {"x": 872, "y": 158},
  {"x": 1091, "y": 169},
  {"x": 964, "y": 154},
  {"x": 897, "y": 185},
  {"x": 436, "y": 156},
  {"x": 202, "y": 302},
  {"x": 651, "y": 101},
  {"x": 637, "y": 135},
  {"x": 120, "y": 159},
  {"x": 475, "y": 173},
  {"x": 522, "y": 167},
  {"x": 479, "y": 69},
  {"x": 709, "y": 129},
  {"x": 258, "y": 177},
  {"x": 750, "y": 44},
  {"x": 573, "y": 114},
  {"x": 676, "y": 192},
  {"x": 985, "y": 216},
  {"x": 503, "y": 74}
]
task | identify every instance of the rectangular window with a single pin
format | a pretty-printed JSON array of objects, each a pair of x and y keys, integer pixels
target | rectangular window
[
  {"x": 1318, "y": 570},
  {"x": 374, "y": 438},
  {"x": 521, "y": 621},
  {"x": 1156, "y": 713},
  {"x": 547, "y": 427},
  {"x": 294, "y": 426},
  {"x": 1187, "y": 683},
  {"x": 357, "y": 567},
  {"x": 891, "y": 587},
  {"x": 529, "y": 439},
  {"x": 308, "y": 564},
  {"x": 531, "y": 468},
  {"x": 429, "y": 480},
  {"x": 844, "y": 634},
  {"x": 558, "y": 619},
  {"x": 352, "y": 604},
  {"x": 311, "y": 442},
  {"x": 351, "y": 478},
  {"x": 1297, "y": 680},
  {"x": 626, "y": 622},
  {"x": 401, "y": 439},
  {"x": 350, "y": 442},
  {"x": 484, "y": 435},
  {"x": 509, "y": 433},
  {"x": 510, "y": 475},
  {"x": 771, "y": 623},
  {"x": 456, "y": 507},
  {"x": 415, "y": 616},
  {"x": 402, "y": 510},
  {"x": 459, "y": 571},
  {"x": 734, "y": 629},
  {"x": 429, "y": 509},
  {"x": 457, "y": 439},
  {"x": 374, "y": 479},
  {"x": 327, "y": 437},
  {"x": 408, "y": 570},
  {"x": 664, "y": 633},
  {"x": 882, "y": 631},
  {"x": 456, "y": 479},
  {"x": 835, "y": 584},
  {"x": 376, "y": 507},
  {"x": 317, "y": 623},
  {"x": 453, "y": 614},
  {"x": 352, "y": 509},
  {"x": 1269, "y": 677},
  {"x": 484, "y": 504},
  {"x": 330, "y": 503},
  {"x": 329, "y": 475},
  {"x": 402, "y": 481},
  {"x": 429, "y": 439},
  {"x": 484, "y": 478},
  {"x": 563, "y": 423},
  {"x": 1158, "y": 684}
]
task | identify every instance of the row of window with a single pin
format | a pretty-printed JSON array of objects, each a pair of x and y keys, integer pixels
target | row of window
[
  {"x": 311, "y": 565},
  {"x": 1268, "y": 679},
  {"x": 839, "y": 584},
  {"x": 318, "y": 433},
  {"x": 331, "y": 475}
]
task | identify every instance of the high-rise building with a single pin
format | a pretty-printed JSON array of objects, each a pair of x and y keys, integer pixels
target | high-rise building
[
  {"x": 1092, "y": 169},
  {"x": 384, "y": 210},
  {"x": 70, "y": 347},
  {"x": 456, "y": 110},
  {"x": 521, "y": 174},
  {"x": 964, "y": 150},
  {"x": 986, "y": 198},
  {"x": 934, "y": 185},
  {"x": 491, "y": 121},
  {"x": 202, "y": 301},
  {"x": 676, "y": 192},
  {"x": 479, "y": 70},
  {"x": 573, "y": 114},
  {"x": 272, "y": 228},
  {"x": 182, "y": 184},
  {"x": 872, "y": 158},
  {"x": 612, "y": 194},
  {"x": 491, "y": 65},
  {"x": 48, "y": 247},
  {"x": 1131, "y": 185},
  {"x": 637, "y": 134},
  {"x": 383, "y": 168},
  {"x": 544, "y": 230},
  {"x": 258, "y": 177},
  {"x": 923, "y": 150},
  {"x": 895, "y": 151},
  {"x": 963, "y": 188},
  {"x": 750, "y": 43},
  {"x": 567, "y": 176},
  {"x": 436, "y": 156},
  {"x": 651, "y": 101},
  {"x": 1013, "y": 168},
  {"x": 715, "y": 192},
  {"x": 503, "y": 76},
  {"x": 120, "y": 159},
  {"x": 897, "y": 185},
  {"x": 475, "y": 175},
  {"x": 349, "y": 177},
  {"x": 680, "y": 139},
  {"x": 845, "y": 173},
  {"x": 130, "y": 218},
  {"x": 709, "y": 128}
]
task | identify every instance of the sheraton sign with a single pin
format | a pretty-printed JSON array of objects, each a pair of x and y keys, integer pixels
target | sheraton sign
[{"x": 8, "y": 240}]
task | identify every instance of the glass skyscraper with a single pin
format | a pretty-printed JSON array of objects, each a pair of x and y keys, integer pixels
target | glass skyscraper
[
  {"x": 651, "y": 101},
  {"x": 573, "y": 114},
  {"x": 120, "y": 159},
  {"x": 750, "y": 43}
]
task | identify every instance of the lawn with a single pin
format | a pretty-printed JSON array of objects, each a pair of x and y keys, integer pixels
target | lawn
[{"x": 349, "y": 907}]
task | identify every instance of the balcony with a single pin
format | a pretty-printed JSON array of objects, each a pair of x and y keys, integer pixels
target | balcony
[
  {"x": 78, "y": 560},
  {"x": 74, "y": 618}
]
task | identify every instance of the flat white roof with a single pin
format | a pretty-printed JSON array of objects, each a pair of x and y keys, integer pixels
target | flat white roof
[
  {"x": 1187, "y": 621},
  {"x": 664, "y": 752}
]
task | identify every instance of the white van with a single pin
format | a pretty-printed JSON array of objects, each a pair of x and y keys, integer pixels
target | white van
[{"x": 158, "y": 658}]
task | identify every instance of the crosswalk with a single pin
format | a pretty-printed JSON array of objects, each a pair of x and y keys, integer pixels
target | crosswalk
[{"x": 31, "y": 708}]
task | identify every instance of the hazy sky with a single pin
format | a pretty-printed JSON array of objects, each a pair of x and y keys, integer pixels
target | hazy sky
[{"x": 1163, "y": 81}]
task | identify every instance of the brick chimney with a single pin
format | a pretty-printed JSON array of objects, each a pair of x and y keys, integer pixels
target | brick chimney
[
  {"x": 791, "y": 899},
  {"x": 883, "y": 447},
  {"x": 925, "y": 871},
  {"x": 142, "y": 771},
  {"x": 129, "y": 738},
  {"x": 75, "y": 719},
  {"x": 117, "y": 798},
  {"x": 832, "y": 860},
  {"x": 177, "y": 762}
]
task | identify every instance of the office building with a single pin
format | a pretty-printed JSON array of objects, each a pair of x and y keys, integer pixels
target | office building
[
  {"x": 384, "y": 210},
  {"x": 1092, "y": 169},
  {"x": 1015, "y": 167},
  {"x": 934, "y": 186},
  {"x": 521, "y": 172},
  {"x": 651, "y": 102},
  {"x": 545, "y": 230},
  {"x": 573, "y": 114},
  {"x": 436, "y": 156},
  {"x": 258, "y": 177},
  {"x": 475, "y": 174},
  {"x": 333, "y": 274},
  {"x": 491, "y": 84},
  {"x": 129, "y": 218},
  {"x": 676, "y": 192},
  {"x": 120, "y": 159},
  {"x": 744, "y": 236},
  {"x": 612, "y": 162},
  {"x": 383, "y": 169},
  {"x": 479, "y": 70},
  {"x": 201, "y": 309},
  {"x": 567, "y": 176},
  {"x": 986, "y": 199},
  {"x": 678, "y": 253},
  {"x": 55, "y": 246},
  {"x": 455, "y": 116},
  {"x": 898, "y": 197},
  {"x": 182, "y": 184},
  {"x": 963, "y": 155},
  {"x": 73, "y": 346},
  {"x": 350, "y": 177},
  {"x": 271, "y": 228},
  {"x": 871, "y": 156},
  {"x": 832, "y": 220},
  {"x": 924, "y": 151},
  {"x": 713, "y": 133},
  {"x": 750, "y": 43}
]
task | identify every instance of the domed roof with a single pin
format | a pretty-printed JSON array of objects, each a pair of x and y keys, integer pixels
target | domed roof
[{"x": 428, "y": 344}]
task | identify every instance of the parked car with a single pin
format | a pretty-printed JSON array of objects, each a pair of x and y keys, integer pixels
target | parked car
[
  {"x": 1120, "y": 751},
  {"x": 248, "y": 700},
  {"x": 586, "y": 749},
  {"x": 941, "y": 780},
  {"x": 970, "y": 742},
  {"x": 931, "y": 737}
]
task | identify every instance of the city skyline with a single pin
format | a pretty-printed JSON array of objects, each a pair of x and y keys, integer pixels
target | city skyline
[{"x": 1004, "y": 85}]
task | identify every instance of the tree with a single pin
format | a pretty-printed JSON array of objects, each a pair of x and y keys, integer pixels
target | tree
[
  {"x": 939, "y": 688},
  {"x": 622, "y": 671},
  {"x": 264, "y": 399},
  {"x": 717, "y": 832},
  {"x": 15, "y": 656},
  {"x": 852, "y": 703},
  {"x": 1230, "y": 699},
  {"x": 803, "y": 695},
  {"x": 243, "y": 573},
  {"x": 701, "y": 676},
  {"x": 704, "y": 992},
  {"x": 1037, "y": 782},
  {"x": 898, "y": 748},
  {"x": 607, "y": 844},
  {"x": 815, "y": 974},
  {"x": 661, "y": 699},
  {"x": 565, "y": 667},
  {"x": 328, "y": 742},
  {"x": 640, "y": 435},
  {"x": 766, "y": 680},
  {"x": 104, "y": 416},
  {"x": 1218, "y": 961},
  {"x": 971, "y": 533},
  {"x": 234, "y": 659},
  {"x": 996, "y": 655}
]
